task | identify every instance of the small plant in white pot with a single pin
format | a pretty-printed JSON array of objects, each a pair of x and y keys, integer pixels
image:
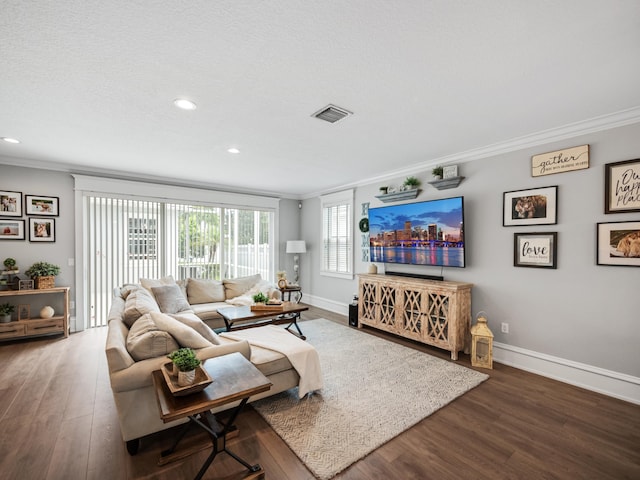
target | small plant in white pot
[
  {"x": 437, "y": 172},
  {"x": 185, "y": 360},
  {"x": 5, "y": 312}
]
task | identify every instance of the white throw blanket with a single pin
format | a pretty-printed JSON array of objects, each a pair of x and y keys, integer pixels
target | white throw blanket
[{"x": 302, "y": 355}]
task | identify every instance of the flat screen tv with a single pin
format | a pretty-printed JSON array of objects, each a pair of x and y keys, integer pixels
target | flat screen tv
[{"x": 420, "y": 233}]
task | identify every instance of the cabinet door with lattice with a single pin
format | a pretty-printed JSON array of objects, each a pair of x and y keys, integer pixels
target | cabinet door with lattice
[
  {"x": 368, "y": 303},
  {"x": 411, "y": 312},
  {"x": 437, "y": 318},
  {"x": 387, "y": 298}
]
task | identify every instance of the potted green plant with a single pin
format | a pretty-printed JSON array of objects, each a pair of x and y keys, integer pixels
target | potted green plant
[
  {"x": 5, "y": 312},
  {"x": 44, "y": 274},
  {"x": 437, "y": 172},
  {"x": 411, "y": 182},
  {"x": 260, "y": 298},
  {"x": 10, "y": 264},
  {"x": 186, "y": 362}
]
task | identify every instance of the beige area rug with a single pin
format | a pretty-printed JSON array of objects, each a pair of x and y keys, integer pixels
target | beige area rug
[{"x": 373, "y": 390}]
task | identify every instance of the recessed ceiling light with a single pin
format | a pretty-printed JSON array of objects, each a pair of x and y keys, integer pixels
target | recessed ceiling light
[
  {"x": 233, "y": 150},
  {"x": 184, "y": 104},
  {"x": 10, "y": 140}
]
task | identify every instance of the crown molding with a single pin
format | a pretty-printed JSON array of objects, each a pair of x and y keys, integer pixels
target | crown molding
[{"x": 584, "y": 127}]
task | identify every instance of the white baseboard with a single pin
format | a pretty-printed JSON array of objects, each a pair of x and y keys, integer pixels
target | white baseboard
[{"x": 614, "y": 384}]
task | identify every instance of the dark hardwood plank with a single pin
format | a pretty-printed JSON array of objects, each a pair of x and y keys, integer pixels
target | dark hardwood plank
[{"x": 58, "y": 420}]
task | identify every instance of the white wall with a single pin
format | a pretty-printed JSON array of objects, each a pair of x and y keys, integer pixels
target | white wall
[{"x": 581, "y": 315}]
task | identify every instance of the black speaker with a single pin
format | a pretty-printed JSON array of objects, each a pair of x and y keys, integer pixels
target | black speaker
[{"x": 353, "y": 314}]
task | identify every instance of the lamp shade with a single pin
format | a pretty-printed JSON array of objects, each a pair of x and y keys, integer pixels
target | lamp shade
[{"x": 296, "y": 246}]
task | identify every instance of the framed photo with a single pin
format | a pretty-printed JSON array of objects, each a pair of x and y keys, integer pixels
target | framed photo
[
  {"x": 536, "y": 206},
  {"x": 37, "y": 205},
  {"x": 24, "y": 312},
  {"x": 567, "y": 160},
  {"x": 537, "y": 250},
  {"x": 450, "y": 171},
  {"x": 622, "y": 187},
  {"x": 10, "y": 204},
  {"x": 619, "y": 244},
  {"x": 42, "y": 230},
  {"x": 11, "y": 229}
]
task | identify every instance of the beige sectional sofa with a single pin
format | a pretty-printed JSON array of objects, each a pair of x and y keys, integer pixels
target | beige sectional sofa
[{"x": 145, "y": 324}]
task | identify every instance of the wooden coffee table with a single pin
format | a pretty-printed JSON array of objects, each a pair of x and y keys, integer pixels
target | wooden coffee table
[
  {"x": 290, "y": 314},
  {"x": 234, "y": 378}
]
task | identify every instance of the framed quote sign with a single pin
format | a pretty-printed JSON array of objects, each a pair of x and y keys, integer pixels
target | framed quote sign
[
  {"x": 560, "y": 161},
  {"x": 538, "y": 250},
  {"x": 622, "y": 187}
]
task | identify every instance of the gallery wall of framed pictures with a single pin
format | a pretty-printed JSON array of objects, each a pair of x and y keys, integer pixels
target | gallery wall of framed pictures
[
  {"x": 617, "y": 243},
  {"x": 40, "y": 224}
]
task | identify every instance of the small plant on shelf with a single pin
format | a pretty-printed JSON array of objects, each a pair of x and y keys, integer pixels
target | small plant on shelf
[
  {"x": 10, "y": 264},
  {"x": 5, "y": 312},
  {"x": 43, "y": 269},
  {"x": 260, "y": 298},
  {"x": 437, "y": 171},
  {"x": 43, "y": 273},
  {"x": 411, "y": 182}
]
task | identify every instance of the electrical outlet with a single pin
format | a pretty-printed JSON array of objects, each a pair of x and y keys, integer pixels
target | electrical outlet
[{"x": 505, "y": 327}]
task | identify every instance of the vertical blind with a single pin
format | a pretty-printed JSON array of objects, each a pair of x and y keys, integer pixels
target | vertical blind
[{"x": 132, "y": 239}]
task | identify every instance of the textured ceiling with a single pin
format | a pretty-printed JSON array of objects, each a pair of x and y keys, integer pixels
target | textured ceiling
[{"x": 88, "y": 85}]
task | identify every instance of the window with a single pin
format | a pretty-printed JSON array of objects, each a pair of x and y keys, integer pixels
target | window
[
  {"x": 337, "y": 234},
  {"x": 129, "y": 239}
]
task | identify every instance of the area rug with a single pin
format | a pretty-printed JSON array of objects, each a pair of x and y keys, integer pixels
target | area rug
[{"x": 373, "y": 390}]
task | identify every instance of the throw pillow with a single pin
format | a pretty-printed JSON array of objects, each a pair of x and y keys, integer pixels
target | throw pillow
[
  {"x": 193, "y": 321},
  {"x": 138, "y": 302},
  {"x": 149, "y": 283},
  {"x": 170, "y": 299},
  {"x": 184, "y": 335},
  {"x": 145, "y": 340},
  {"x": 237, "y": 286},
  {"x": 204, "y": 291}
]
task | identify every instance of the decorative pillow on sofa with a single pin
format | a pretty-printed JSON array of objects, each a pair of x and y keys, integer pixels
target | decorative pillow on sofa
[
  {"x": 170, "y": 299},
  {"x": 138, "y": 302},
  {"x": 235, "y": 287},
  {"x": 146, "y": 340},
  {"x": 204, "y": 291},
  {"x": 149, "y": 283},
  {"x": 184, "y": 335},
  {"x": 193, "y": 321}
]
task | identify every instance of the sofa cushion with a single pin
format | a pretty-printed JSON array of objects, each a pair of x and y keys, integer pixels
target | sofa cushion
[
  {"x": 149, "y": 283},
  {"x": 170, "y": 299},
  {"x": 237, "y": 286},
  {"x": 139, "y": 301},
  {"x": 146, "y": 340},
  {"x": 183, "y": 334},
  {"x": 193, "y": 321},
  {"x": 204, "y": 291}
]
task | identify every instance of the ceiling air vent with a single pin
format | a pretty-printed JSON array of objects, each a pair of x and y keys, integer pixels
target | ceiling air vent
[{"x": 331, "y": 113}]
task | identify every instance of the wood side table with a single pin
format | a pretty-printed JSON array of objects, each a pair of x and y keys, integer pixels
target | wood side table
[
  {"x": 289, "y": 289},
  {"x": 234, "y": 378}
]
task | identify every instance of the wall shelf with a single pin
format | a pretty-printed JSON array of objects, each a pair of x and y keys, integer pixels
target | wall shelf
[
  {"x": 446, "y": 183},
  {"x": 399, "y": 196}
]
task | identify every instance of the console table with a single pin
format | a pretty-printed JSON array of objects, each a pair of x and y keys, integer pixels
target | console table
[
  {"x": 432, "y": 312},
  {"x": 35, "y": 326}
]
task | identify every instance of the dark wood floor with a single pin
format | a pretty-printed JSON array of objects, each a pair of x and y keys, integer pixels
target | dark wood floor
[{"x": 58, "y": 421}]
